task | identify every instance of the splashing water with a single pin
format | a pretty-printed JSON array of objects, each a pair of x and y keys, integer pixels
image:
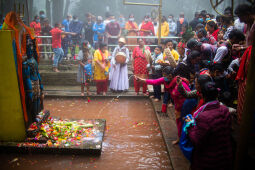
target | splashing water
[{"x": 114, "y": 98}]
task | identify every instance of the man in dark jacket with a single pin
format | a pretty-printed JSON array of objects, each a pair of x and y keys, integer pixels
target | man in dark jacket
[
  {"x": 46, "y": 28},
  {"x": 88, "y": 28},
  {"x": 76, "y": 27},
  {"x": 195, "y": 21},
  {"x": 181, "y": 21}
]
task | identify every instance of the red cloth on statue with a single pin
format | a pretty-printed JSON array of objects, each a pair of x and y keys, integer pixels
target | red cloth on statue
[{"x": 13, "y": 20}]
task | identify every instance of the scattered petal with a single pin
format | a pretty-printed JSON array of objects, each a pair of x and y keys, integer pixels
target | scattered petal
[{"x": 14, "y": 160}]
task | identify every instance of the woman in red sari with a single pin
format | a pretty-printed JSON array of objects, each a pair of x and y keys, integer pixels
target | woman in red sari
[
  {"x": 147, "y": 28},
  {"x": 140, "y": 55}
]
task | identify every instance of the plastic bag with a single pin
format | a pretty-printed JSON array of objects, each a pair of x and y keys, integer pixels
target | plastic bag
[{"x": 185, "y": 143}]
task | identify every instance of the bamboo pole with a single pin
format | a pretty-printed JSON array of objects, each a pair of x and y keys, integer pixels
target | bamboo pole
[
  {"x": 28, "y": 20},
  {"x": 14, "y": 7},
  {"x": 160, "y": 22},
  {"x": 143, "y": 4},
  {"x": 23, "y": 10},
  {"x": 19, "y": 10},
  {"x": 232, "y": 4}
]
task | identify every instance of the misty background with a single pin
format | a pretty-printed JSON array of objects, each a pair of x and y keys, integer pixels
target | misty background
[{"x": 56, "y": 10}]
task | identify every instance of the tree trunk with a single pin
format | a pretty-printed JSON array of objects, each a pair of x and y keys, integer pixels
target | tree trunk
[
  {"x": 57, "y": 10},
  {"x": 48, "y": 10},
  {"x": 31, "y": 9},
  {"x": 66, "y": 8}
]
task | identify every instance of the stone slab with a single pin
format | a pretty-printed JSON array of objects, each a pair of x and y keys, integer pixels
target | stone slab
[{"x": 91, "y": 145}]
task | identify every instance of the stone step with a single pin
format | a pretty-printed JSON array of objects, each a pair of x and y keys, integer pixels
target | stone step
[
  {"x": 70, "y": 67},
  {"x": 78, "y": 88},
  {"x": 64, "y": 62},
  {"x": 76, "y": 91},
  {"x": 66, "y": 78},
  {"x": 61, "y": 78},
  {"x": 67, "y": 75},
  {"x": 66, "y": 68}
]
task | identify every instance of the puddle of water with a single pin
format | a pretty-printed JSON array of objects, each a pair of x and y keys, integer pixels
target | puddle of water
[{"x": 132, "y": 137}]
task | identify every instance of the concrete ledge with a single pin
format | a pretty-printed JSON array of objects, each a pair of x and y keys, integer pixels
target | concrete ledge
[
  {"x": 169, "y": 133},
  {"x": 94, "y": 96}
]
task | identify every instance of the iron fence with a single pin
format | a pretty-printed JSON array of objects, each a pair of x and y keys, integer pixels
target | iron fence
[{"x": 110, "y": 45}]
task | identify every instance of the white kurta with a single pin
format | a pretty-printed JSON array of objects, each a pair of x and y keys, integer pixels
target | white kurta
[{"x": 119, "y": 72}]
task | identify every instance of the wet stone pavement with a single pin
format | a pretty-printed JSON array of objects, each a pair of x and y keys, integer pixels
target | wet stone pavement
[{"x": 133, "y": 139}]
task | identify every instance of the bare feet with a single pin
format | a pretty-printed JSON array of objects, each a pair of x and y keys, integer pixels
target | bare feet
[
  {"x": 156, "y": 100},
  {"x": 89, "y": 93},
  {"x": 170, "y": 105},
  {"x": 152, "y": 97},
  {"x": 82, "y": 93},
  {"x": 104, "y": 93},
  {"x": 56, "y": 70},
  {"x": 175, "y": 142}
]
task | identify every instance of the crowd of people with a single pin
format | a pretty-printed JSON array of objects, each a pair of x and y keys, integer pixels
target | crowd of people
[
  {"x": 206, "y": 81},
  {"x": 203, "y": 73}
]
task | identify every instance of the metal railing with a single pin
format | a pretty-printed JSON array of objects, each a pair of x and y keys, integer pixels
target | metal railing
[{"x": 113, "y": 45}]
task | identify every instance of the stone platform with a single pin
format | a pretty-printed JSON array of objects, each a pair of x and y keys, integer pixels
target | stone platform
[{"x": 87, "y": 145}]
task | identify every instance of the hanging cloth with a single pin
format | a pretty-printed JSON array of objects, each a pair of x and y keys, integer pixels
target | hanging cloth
[{"x": 13, "y": 21}]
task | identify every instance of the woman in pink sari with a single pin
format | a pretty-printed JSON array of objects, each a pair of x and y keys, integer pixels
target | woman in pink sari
[{"x": 171, "y": 86}]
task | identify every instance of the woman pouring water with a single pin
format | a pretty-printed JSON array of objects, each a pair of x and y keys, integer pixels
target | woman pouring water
[{"x": 119, "y": 69}]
